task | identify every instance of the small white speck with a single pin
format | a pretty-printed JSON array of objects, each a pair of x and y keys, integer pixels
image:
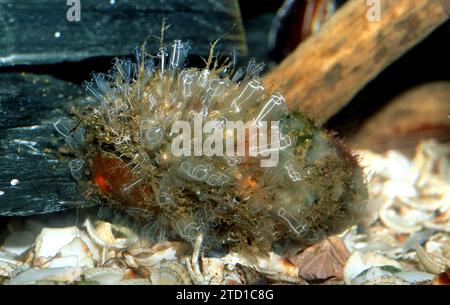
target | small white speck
[
  {"x": 14, "y": 182},
  {"x": 112, "y": 2},
  {"x": 57, "y": 34},
  {"x": 2, "y": 192}
]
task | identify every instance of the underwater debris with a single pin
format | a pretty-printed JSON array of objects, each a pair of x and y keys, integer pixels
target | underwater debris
[
  {"x": 323, "y": 260},
  {"x": 363, "y": 261},
  {"x": 432, "y": 263},
  {"x": 401, "y": 232},
  {"x": 14, "y": 182},
  {"x": 313, "y": 189}
]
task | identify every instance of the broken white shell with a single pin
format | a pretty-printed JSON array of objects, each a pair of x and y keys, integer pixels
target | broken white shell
[
  {"x": 74, "y": 254},
  {"x": 51, "y": 240},
  {"x": 383, "y": 275},
  {"x": 432, "y": 263},
  {"x": 9, "y": 266},
  {"x": 103, "y": 235},
  {"x": 371, "y": 274},
  {"x": 439, "y": 244},
  {"x": 404, "y": 219},
  {"x": 104, "y": 275},
  {"x": 415, "y": 277},
  {"x": 149, "y": 257},
  {"x": 34, "y": 275},
  {"x": 442, "y": 221},
  {"x": 362, "y": 261},
  {"x": 401, "y": 189},
  {"x": 213, "y": 268},
  {"x": 386, "y": 280},
  {"x": 274, "y": 266},
  {"x": 169, "y": 273}
]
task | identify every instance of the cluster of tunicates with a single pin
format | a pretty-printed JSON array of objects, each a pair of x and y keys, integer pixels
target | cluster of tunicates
[{"x": 211, "y": 151}]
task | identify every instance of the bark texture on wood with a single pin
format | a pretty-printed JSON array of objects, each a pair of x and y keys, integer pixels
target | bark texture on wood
[
  {"x": 326, "y": 71},
  {"x": 418, "y": 114}
]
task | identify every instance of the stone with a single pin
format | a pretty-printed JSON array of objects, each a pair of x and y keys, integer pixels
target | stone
[
  {"x": 52, "y": 31},
  {"x": 29, "y": 145}
]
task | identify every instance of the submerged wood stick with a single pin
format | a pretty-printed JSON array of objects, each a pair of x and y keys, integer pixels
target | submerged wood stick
[
  {"x": 417, "y": 114},
  {"x": 326, "y": 71}
]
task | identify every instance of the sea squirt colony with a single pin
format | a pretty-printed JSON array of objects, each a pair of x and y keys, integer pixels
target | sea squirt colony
[{"x": 123, "y": 149}]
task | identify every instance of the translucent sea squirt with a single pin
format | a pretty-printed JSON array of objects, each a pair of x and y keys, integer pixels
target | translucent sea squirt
[{"x": 315, "y": 189}]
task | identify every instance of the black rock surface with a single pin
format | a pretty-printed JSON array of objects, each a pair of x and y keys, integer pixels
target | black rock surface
[
  {"x": 29, "y": 144},
  {"x": 38, "y": 32}
]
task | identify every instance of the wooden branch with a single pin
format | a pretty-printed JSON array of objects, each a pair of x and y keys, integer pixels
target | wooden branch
[
  {"x": 417, "y": 114},
  {"x": 326, "y": 71}
]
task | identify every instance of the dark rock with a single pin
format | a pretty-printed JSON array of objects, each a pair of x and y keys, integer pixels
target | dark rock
[
  {"x": 33, "y": 33},
  {"x": 29, "y": 105}
]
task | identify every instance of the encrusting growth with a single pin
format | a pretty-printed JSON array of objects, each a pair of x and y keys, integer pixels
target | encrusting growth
[{"x": 315, "y": 189}]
